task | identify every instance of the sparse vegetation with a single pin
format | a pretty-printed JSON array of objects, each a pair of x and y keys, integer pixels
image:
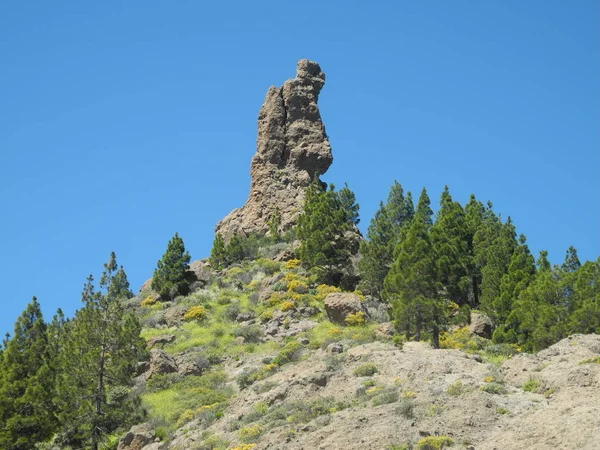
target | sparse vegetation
[
  {"x": 365, "y": 370},
  {"x": 434, "y": 443}
]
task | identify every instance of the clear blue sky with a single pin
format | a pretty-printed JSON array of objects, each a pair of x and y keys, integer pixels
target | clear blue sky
[{"x": 124, "y": 122}]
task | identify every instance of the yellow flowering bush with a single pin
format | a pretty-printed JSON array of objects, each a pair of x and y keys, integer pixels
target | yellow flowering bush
[
  {"x": 297, "y": 286},
  {"x": 354, "y": 319},
  {"x": 195, "y": 313},
  {"x": 244, "y": 447},
  {"x": 250, "y": 433},
  {"x": 148, "y": 301},
  {"x": 291, "y": 264},
  {"x": 324, "y": 289},
  {"x": 265, "y": 316},
  {"x": 286, "y": 306}
]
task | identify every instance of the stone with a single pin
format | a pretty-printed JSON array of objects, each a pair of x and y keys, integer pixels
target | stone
[
  {"x": 199, "y": 272},
  {"x": 138, "y": 437},
  {"x": 338, "y": 305},
  {"x": 335, "y": 348},
  {"x": 173, "y": 316},
  {"x": 160, "y": 340},
  {"x": 481, "y": 325},
  {"x": 191, "y": 364},
  {"x": 160, "y": 362},
  {"x": 385, "y": 331},
  {"x": 291, "y": 149}
]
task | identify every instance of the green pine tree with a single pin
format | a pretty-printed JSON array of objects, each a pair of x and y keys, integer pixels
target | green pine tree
[
  {"x": 26, "y": 384},
  {"x": 170, "y": 276},
  {"x": 323, "y": 228},
  {"x": 218, "y": 254},
  {"x": 411, "y": 284},
  {"x": 449, "y": 236},
  {"x": 98, "y": 358},
  {"x": 521, "y": 272},
  {"x": 377, "y": 251}
]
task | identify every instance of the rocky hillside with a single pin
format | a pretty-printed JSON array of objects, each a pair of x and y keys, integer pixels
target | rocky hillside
[{"x": 259, "y": 357}]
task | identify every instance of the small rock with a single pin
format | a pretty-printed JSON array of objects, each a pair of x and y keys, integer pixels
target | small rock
[
  {"x": 303, "y": 341},
  {"x": 339, "y": 305},
  {"x": 335, "y": 348}
]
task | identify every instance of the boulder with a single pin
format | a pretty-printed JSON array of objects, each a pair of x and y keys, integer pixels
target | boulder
[
  {"x": 292, "y": 148},
  {"x": 173, "y": 316},
  {"x": 338, "y": 305},
  {"x": 160, "y": 362},
  {"x": 199, "y": 273},
  {"x": 137, "y": 438},
  {"x": 481, "y": 325}
]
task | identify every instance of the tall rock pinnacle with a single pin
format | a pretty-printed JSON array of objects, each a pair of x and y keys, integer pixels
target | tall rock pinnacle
[{"x": 291, "y": 149}]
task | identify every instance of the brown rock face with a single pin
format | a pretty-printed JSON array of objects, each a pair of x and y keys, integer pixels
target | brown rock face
[{"x": 291, "y": 149}]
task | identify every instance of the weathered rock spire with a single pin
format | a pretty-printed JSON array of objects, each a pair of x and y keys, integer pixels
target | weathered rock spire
[{"x": 291, "y": 149}]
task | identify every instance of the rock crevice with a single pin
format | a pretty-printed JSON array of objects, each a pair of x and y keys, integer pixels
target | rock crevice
[{"x": 292, "y": 149}]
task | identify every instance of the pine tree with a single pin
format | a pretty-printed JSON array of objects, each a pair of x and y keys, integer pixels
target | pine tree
[
  {"x": 449, "y": 236},
  {"x": 494, "y": 245},
  {"x": 323, "y": 231},
  {"x": 572, "y": 262},
  {"x": 170, "y": 275},
  {"x": 377, "y": 252},
  {"x": 410, "y": 285},
  {"x": 543, "y": 264},
  {"x": 218, "y": 254},
  {"x": 98, "y": 358},
  {"x": 347, "y": 201},
  {"x": 520, "y": 273},
  {"x": 26, "y": 384}
]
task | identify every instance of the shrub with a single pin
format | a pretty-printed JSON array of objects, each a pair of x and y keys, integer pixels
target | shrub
[
  {"x": 250, "y": 433},
  {"x": 286, "y": 306},
  {"x": 355, "y": 319},
  {"x": 365, "y": 370},
  {"x": 148, "y": 301},
  {"x": 232, "y": 311},
  {"x": 388, "y": 395},
  {"x": 434, "y": 443},
  {"x": 405, "y": 408},
  {"x": 265, "y": 316},
  {"x": 268, "y": 266},
  {"x": 595, "y": 360},
  {"x": 291, "y": 264},
  {"x": 195, "y": 313},
  {"x": 250, "y": 333},
  {"x": 461, "y": 339},
  {"x": 455, "y": 389},
  {"x": 324, "y": 289},
  {"x": 493, "y": 388},
  {"x": 531, "y": 385},
  {"x": 244, "y": 447}
]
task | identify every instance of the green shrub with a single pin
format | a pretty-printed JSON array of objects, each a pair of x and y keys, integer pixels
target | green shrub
[
  {"x": 405, "y": 408},
  {"x": 434, "y": 443},
  {"x": 455, "y": 389},
  {"x": 250, "y": 333},
  {"x": 250, "y": 433},
  {"x": 388, "y": 395},
  {"x": 531, "y": 385},
  {"x": 493, "y": 388},
  {"x": 365, "y": 370}
]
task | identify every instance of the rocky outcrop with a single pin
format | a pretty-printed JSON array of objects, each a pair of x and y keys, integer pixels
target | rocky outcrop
[
  {"x": 292, "y": 148},
  {"x": 160, "y": 363},
  {"x": 339, "y": 305}
]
